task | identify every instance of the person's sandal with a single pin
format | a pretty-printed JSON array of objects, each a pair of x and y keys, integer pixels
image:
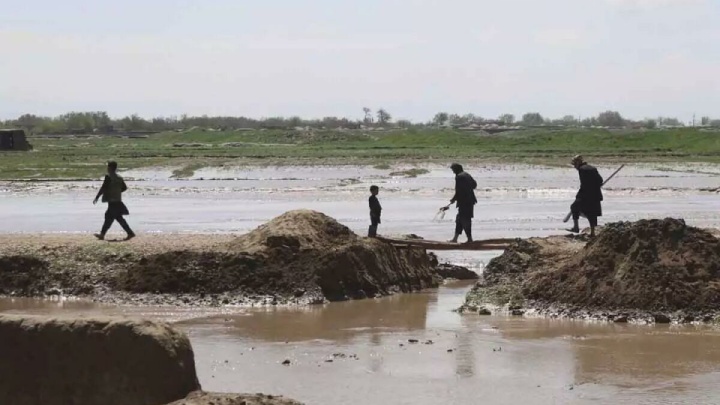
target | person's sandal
[{"x": 99, "y": 236}]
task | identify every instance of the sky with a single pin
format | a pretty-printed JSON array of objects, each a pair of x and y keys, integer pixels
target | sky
[{"x": 317, "y": 58}]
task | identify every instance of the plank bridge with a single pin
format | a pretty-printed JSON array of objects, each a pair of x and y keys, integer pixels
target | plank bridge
[{"x": 487, "y": 244}]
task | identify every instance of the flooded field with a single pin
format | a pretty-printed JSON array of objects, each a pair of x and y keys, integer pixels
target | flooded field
[{"x": 404, "y": 349}]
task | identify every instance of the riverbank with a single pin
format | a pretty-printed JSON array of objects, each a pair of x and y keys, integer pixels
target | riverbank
[
  {"x": 84, "y": 157},
  {"x": 300, "y": 257}
]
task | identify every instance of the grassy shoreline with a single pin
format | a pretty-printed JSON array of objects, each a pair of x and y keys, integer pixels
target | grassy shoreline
[{"x": 84, "y": 158}]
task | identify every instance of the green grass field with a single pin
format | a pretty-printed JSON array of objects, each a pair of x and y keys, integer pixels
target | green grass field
[{"x": 84, "y": 158}]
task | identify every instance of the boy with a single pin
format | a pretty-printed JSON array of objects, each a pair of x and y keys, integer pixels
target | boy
[
  {"x": 111, "y": 192},
  {"x": 375, "y": 210}
]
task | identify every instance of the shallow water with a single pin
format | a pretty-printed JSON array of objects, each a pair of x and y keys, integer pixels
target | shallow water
[{"x": 472, "y": 359}]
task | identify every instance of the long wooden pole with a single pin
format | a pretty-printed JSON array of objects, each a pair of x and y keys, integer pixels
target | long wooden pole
[{"x": 567, "y": 217}]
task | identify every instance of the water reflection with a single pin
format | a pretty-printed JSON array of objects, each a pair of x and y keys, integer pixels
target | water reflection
[{"x": 340, "y": 322}]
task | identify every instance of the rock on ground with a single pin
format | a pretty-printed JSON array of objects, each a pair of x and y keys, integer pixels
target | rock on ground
[
  {"x": 90, "y": 361},
  {"x": 656, "y": 266},
  {"x": 451, "y": 271},
  {"x": 204, "y": 398}
]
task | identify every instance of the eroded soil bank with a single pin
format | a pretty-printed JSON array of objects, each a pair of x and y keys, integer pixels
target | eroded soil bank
[
  {"x": 646, "y": 271},
  {"x": 299, "y": 257}
]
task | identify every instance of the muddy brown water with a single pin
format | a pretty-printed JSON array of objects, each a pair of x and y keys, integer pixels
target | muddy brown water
[
  {"x": 363, "y": 352},
  {"x": 472, "y": 359}
]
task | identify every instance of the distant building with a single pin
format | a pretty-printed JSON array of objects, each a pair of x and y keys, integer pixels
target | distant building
[{"x": 13, "y": 139}]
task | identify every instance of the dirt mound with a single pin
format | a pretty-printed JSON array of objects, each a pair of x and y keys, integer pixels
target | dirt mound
[
  {"x": 658, "y": 266},
  {"x": 297, "y": 229},
  {"x": 300, "y": 253},
  {"x": 93, "y": 361},
  {"x": 649, "y": 265}
]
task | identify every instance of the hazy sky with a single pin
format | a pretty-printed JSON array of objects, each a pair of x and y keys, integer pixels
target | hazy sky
[{"x": 317, "y": 58}]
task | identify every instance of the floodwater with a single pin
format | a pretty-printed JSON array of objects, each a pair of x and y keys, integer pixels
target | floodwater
[{"x": 458, "y": 359}]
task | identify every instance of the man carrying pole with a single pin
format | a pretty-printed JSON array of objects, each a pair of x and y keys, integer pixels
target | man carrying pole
[{"x": 588, "y": 200}]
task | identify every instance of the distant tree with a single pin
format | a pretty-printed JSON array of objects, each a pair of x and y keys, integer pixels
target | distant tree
[
  {"x": 532, "y": 119},
  {"x": 441, "y": 118},
  {"x": 714, "y": 123},
  {"x": 404, "y": 123},
  {"x": 29, "y": 121},
  {"x": 610, "y": 119},
  {"x": 383, "y": 116},
  {"x": 368, "y": 115},
  {"x": 101, "y": 119},
  {"x": 470, "y": 118},
  {"x": 134, "y": 123},
  {"x": 455, "y": 119},
  {"x": 79, "y": 121},
  {"x": 705, "y": 121},
  {"x": 669, "y": 122},
  {"x": 569, "y": 121},
  {"x": 650, "y": 124},
  {"x": 507, "y": 119},
  {"x": 51, "y": 126}
]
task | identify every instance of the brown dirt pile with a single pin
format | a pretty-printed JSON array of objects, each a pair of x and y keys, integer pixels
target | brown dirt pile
[
  {"x": 80, "y": 361},
  {"x": 301, "y": 256},
  {"x": 649, "y": 265},
  {"x": 296, "y": 253}
]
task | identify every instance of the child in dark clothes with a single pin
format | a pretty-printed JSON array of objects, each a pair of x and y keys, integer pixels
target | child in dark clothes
[{"x": 375, "y": 210}]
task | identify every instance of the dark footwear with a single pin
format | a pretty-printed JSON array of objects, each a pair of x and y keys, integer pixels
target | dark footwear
[
  {"x": 100, "y": 236},
  {"x": 573, "y": 230},
  {"x": 130, "y": 236}
]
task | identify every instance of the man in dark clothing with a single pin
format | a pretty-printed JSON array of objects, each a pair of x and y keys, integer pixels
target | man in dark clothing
[
  {"x": 589, "y": 197},
  {"x": 375, "y": 211},
  {"x": 111, "y": 191},
  {"x": 464, "y": 196}
]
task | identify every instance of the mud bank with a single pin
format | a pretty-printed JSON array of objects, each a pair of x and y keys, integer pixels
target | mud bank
[
  {"x": 93, "y": 361},
  {"x": 110, "y": 361},
  {"x": 646, "y": 271},
  {"x": 299, "y": 257}
]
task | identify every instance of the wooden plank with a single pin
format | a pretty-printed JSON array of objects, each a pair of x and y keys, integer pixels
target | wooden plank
[
  {"x": 489, "y": 244},
  {"x": 459, "y": 246}
]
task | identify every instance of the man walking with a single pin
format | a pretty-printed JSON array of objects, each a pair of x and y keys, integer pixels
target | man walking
[
  {"x": 588, "y": 201},
  {"x": 111, "y": 192},
  {"x": 465, "y": 199}
]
